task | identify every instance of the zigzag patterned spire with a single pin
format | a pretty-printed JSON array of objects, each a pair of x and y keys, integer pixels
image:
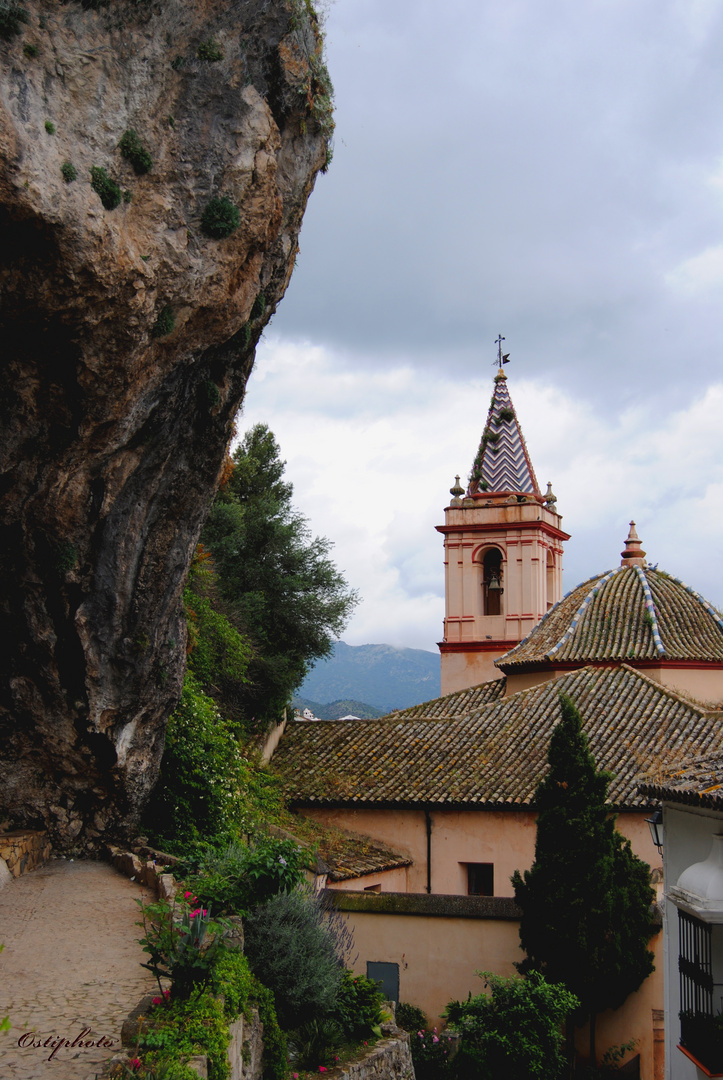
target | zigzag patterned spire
[{"x": 502, "y": 463}]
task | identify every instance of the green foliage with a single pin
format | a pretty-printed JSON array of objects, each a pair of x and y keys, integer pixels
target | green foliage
[
  {"x": 282, "y": 589},
  {"x": 290, "y": 944},
  {"x": 218, "y": 652},
  {"x": 185, "y": 1027},
  {"x": 238, "y": 877},
  {"x": 50, "y": 127},
  {"x": 133, "y": 150},
  {"x": 210, "y": 51},
  {"x": 231, "y": 977},
  {"x": 586, "y": 900},
  {"x": 69, "y": 172},
  {"x": 358, "y": 1007},
  {"x": 182, "y": 943},
  {"x": 259, "y": 306},
  {"x": 66, "y": 556},
  {"x": 127, "y": 196},
  {"x": 514, "y": 1032},
  {"x": 211, "y": 393},
  {"x": 220, "y": 218},
  {"x": 178, "y": 62},
  {"x": 165, "y": 323},
  {"x": 505, "y": 415},
  {"x": 316, "y": 1043},
  {"x": 12, "y": 16},
  {"x": 410, "y": 1017},
  {"x": 205, "y": 785},
  {"x": 610, "y": 1063},
  {"x": 105, "y": 188},
  {"x": 30, "y": 50},
  {"x": 431, "y": 1056},
  {"x": 275, "y": 1056}
]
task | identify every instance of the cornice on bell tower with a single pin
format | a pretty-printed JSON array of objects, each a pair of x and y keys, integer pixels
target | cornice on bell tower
[{"x": 503, "y": 545}]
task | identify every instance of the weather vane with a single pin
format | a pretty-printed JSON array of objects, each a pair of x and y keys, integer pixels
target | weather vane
[{"x": 501, "y": 359}]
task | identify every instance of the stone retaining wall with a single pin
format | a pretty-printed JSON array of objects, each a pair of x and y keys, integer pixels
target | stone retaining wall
[
  {"x": 24, "y": 849},
  {"x": 389, "y": 1059}
]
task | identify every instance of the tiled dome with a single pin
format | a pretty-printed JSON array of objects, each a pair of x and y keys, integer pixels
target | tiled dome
[{"x": 631, "y": 613}]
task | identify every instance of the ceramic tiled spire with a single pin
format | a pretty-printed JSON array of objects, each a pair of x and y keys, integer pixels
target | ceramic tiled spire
[{"x": 502, "y": 463}]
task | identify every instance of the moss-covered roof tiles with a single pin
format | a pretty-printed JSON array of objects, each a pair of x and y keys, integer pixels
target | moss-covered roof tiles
[
  {"x": 698, "y": 784},
  {"x": 494, "y": 755},
  {"x": 461, "y": 703},
  {"x": 629, "y": 613}
]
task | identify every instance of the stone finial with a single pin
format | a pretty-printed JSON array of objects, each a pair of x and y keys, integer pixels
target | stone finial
[
  {"x": 456, "y": 492},
  {"x": 633, "y": 554},
  {"x": 550, "y": 497}
]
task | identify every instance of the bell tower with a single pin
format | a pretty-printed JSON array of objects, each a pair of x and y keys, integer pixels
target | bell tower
[{"x": 502, "y": 550}]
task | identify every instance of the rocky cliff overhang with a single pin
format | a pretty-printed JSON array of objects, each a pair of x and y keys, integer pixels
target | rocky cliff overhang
[{"x": 127, "y": 334}]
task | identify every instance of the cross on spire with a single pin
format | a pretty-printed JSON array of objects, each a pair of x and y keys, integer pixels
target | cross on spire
[{"x": 501, "y": 359}]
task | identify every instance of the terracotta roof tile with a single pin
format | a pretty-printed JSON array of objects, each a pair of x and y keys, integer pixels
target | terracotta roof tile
[
  {"x": 494, "y": 755},
  {"x": 700, "y": 783},
  {"x": 629, "y": 613}
]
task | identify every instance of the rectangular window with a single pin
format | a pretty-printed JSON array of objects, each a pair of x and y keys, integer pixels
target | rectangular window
[
  {"x": 695, "y": 964},
  {"x": 387, "y": 975},
  {"x": 480, "y": 879}
]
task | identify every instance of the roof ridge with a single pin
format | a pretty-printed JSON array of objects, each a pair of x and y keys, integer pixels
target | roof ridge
[
  {"x": 701, "y": 599},
  {"x": 669, "y": 691},
  {"x": 582, "y": 609},
  {"x": 553, "y": 609},
  {"x": 650, "y": 607}
]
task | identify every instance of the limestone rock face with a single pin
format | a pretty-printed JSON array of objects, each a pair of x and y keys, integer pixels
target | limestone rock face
[{"x": 114, "y": 422}]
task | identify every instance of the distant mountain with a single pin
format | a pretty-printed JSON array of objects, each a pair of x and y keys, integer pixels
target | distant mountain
[
  {"x": 336, "y": 709},
  {"x": 386, "y": 677}
]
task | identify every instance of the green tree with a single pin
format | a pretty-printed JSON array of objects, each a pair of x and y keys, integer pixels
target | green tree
[
  {"x": 515, "y": 1031},
  {"x": 586, "y": 901},
  {"x": 282, "y": 589}
]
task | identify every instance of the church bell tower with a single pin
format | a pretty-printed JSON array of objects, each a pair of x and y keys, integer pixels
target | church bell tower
[{"x": 502, "y": 550}]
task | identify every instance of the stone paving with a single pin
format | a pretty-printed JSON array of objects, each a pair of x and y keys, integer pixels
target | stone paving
[{"x": 71, "y": 961}]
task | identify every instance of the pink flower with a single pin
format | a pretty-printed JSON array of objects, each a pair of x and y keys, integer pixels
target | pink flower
[
  {"x": 166, "y": 994},
  {"x": 158, "y": 1001},
  {"x": 435, "y": 1039},
  {"x": 323, "y": 1068},
  {"x": 135, "y": 1063}
]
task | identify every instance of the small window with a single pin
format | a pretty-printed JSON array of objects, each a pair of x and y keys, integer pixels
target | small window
[
  {"x": 373, "y": 888},
  {"x": 492, "y": 582},
  {"x": 387, "y": 975},
  {"x": 480, "y": 879}
]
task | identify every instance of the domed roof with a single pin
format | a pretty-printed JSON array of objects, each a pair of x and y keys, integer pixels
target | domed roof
[{"x": 633, "y": 613}]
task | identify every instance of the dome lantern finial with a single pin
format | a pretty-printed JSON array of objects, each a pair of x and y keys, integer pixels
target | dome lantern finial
[{"x": 633, "y": 555}]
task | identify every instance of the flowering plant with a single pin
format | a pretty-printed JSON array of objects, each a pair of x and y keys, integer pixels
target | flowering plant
[
  {"x": 430, "y": 1054},
  {"x": 182, "y": 943}
]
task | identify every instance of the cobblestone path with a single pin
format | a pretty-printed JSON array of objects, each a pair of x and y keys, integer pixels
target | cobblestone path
[{"x": 71, "y": 961}]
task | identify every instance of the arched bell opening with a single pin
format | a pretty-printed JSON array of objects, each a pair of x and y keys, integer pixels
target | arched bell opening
[
  {"x": 492, "y": 586},
  {"x": 550, "y": 582}
]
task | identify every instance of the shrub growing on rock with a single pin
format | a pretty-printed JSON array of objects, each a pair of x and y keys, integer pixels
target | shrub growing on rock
[
  {"x": 165, "y": 323},
  {"x": 69, "y": 172},
  {"x": 133, "y": 150},
  {"x": 11, "y": 18},
  {"x": 210, "y": 51},
  {"x": 107, "y": 189},
  {"x": 220, "y": 218}
]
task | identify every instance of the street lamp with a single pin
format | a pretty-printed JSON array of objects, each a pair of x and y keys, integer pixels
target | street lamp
[{"x": 655, "y": 824}]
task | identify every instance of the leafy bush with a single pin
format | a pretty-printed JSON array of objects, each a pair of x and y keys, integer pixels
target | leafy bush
[
  {"x": 210, "y": 51},
  {"x": 290, "y": 944},
  {"x": 50, "y": 127},
  {"x": 220, "y": 218},
  {"x": 11, "y": 18},
  {"x": 237, "y": 877},
  {"x": 431, "y": 1056},
  {"x": 105, "y": 188},
  {"x": 316, "y": 1043},
  {"x": 182, "y": 943},
  {"x": 69, "y": 172},
  {"x": 30, "y": 50},
  {"x": 410, "y": 1017},
  {"x": 164, "y": 323},
  {"x": 274, "y": 1059},
  {"x": 186, "y": 1027},
  {"x": 133, "y": 150},
  {"x": 204, "y": 780},
  {"x": 513, "y": 1032},
  {"x": 358, "y": 1008}
]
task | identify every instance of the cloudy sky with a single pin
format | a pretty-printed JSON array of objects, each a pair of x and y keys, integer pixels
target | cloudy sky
[{"x": 553, "y": 172}]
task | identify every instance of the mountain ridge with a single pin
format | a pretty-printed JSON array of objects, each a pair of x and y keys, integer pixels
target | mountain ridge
[{"x": 383, "y": 676}]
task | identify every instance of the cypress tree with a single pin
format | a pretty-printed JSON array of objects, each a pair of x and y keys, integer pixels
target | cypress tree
[{"x": 586, "y": 900}]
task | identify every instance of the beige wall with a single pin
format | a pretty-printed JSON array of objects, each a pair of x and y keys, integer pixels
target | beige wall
[
  {"x": 703, "y": 685},
  {"x": 396, "y": 880},
  {"x": 438, "y": 956},
  {"x": 463, "y": 669},
  {"x": 505, "y": 838}
]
